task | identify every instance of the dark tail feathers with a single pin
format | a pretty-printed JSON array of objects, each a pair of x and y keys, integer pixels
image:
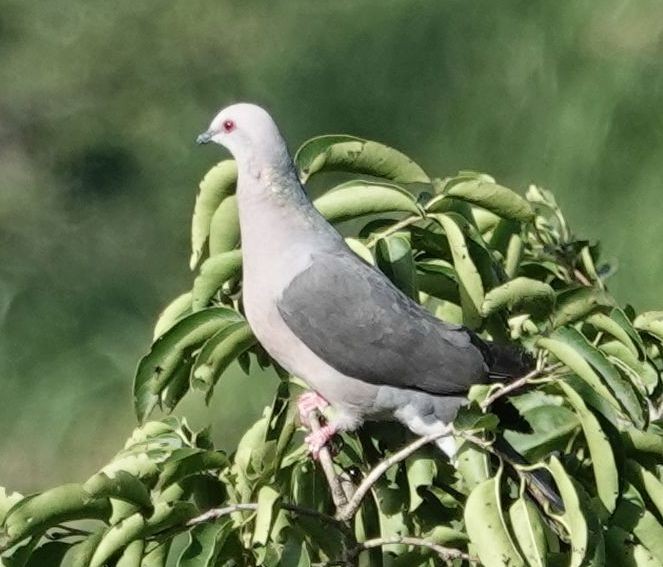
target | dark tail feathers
[{"x": 507, "y": 361}]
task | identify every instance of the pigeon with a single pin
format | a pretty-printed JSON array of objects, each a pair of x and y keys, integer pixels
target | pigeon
[{"x": 366, "y": 350}]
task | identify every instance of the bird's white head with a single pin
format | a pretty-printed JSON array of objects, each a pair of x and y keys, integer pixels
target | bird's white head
[{"x": 248, "y": 132}]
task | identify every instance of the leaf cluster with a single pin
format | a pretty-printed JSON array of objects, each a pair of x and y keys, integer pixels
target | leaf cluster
[{"x": 471, "y": 251}]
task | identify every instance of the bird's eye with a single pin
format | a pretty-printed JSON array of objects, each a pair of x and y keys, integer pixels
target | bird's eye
[{"x": 228, "y": 125}]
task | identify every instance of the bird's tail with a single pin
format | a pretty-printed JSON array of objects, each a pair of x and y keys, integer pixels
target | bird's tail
[
  {"x": 507, "y": 361},
  {"x": 539, "y": 481}
]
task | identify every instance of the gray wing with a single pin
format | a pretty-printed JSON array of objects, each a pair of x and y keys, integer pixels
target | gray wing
[{"x": 358, "y": 322}]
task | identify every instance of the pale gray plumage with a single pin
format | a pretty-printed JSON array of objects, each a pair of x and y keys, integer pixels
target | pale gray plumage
[{"x": 324, "y": 314}]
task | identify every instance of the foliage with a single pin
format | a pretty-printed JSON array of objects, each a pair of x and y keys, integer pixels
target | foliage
[{"x": 471, "y": 251}]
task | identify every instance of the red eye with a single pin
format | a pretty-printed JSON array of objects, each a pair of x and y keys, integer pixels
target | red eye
[{"x": 228, "y": 126}]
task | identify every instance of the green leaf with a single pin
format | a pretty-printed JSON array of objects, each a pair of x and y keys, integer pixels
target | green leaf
[
  {"x": 218, "y": 183},
  {"x": 469, "y": 280},
  {"x": 214, "y": 272},
  {"x": 204, "y": 543},
  {"x": 120, "y": 485},
  {"x": 642, "y": 373},
  {"x": 175, "y": 310},
  {"x": 573, "y": 518},
  {"x": 180, "y": 467},
  {"x": 361, "y": 250},
  {"x": 632, "y": 515},
  {"x": 355, "y": 155},
  {"x": 607, "y": 324},
  {"x": 66, "y": 503},
  {"x": 646, "y": 483},
  {"x": 224, "y": 227},
  {"x": 218, "y": 353},
  {"x": 603, "y": 461},
  {"x": 570, "y": 356},
  {"x": 132, "y": 556},
  {"x": 157, "y": 368},
  {"x": 533, "y": 296},
  {"x": 650, "y": 322},
  {"x": 491, "y": 196},
  {"x": 421, "y": 471},
  {"x": 267, "y": 505},
  {"x": 359, "y": 198},
  {"x": 395, "y": 259},
  {"x": 7, "y": 501},
  {"x": 574, "y": 304},
  {"x": 487, "y": 528},
  {"x": 529, "y": 531},
  {"x": 117, "y": 538},
  {"x": 617, "y": 384}
]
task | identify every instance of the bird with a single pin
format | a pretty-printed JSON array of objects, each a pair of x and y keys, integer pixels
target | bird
[{"x": 367, "y": 351}]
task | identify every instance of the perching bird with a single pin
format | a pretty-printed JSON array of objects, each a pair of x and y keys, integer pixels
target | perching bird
[{"x": 363, "y": 347}]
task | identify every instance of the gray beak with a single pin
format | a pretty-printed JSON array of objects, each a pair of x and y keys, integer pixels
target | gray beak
[{"x": 204, "y": 138}]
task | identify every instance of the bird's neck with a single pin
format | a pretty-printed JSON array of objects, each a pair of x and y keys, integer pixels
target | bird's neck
[{"x": 274, "y": 210}]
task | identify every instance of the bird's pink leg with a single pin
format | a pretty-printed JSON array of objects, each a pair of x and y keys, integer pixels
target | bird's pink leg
[
  {"x": 318, "y": 439},
  {"x": 308, "y": 402}
]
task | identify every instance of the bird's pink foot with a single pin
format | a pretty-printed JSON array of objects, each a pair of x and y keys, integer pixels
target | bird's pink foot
[
  {"x": 318, "y": 439},
  {"x": 308, "y": 402}
]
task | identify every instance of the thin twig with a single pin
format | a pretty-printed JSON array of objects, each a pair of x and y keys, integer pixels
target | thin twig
[
  {"x": 216, "y": 513},
  {"x": 516, "y": 384},
  {"x": 348, "y": 511},
  {"x": 393, "y": 228},
  {"x": 444, "y": 553},
  {"x": 324, "y": 456}
]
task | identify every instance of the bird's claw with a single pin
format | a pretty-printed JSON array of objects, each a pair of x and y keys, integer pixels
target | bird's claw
[
  {"x": 308, "y": 402},
  {"x": 319, "y": 439}
]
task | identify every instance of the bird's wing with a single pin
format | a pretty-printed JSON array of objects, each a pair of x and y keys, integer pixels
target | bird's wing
[{"x": 358, "y": 322}]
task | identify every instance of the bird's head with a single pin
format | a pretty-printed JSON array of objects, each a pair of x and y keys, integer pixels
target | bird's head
[{"x": 248, "y": 132}]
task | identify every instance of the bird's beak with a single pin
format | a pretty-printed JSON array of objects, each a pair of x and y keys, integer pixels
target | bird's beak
[{"x": 204, "y": 138}]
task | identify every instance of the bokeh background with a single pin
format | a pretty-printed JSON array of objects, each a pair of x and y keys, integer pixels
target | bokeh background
[{"x": 100, "y": 103}]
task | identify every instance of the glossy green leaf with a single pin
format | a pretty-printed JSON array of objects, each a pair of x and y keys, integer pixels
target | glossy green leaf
[
  {"x": 395, "y": 259},
  {"x": 204, "y": 543},
  {"x": 527, "y": 294},
  {"x": 219, "y": 352},
  {"x": 117, "y": 538},
  {"x": 620, "y": 387},
  {"x": 650, "y": 322},
  {"x": 642, "y": 373},
  {"x": 646, "y": 482},
  {"x": 575, "y": 304},
  {"x": 132, "y": 556},
  {"x": 215, "y": 186},
  {"x": 267, "y": 504},
  {"x": 421, "y": 471},
  {"x": 633, "y": 516},
  {"x": 361, "y": 250},
  {"x": 603, "y": 460},
  {"x": 214, "y": 272},
  {"x": 175, "y": 310},
  {"x": 487, "y": 528},
  {"x": 573, "y": 517},
  {"x": 66, "y": 503},
  {"x": 359, "y": 198},
  {"x": 120, "y": 485},
  {"x": 224, "y": 227},
  {"x": 607, "y": 324},
  {"x": 529, "y": 531},
  {"x": 157, "y": 368},
  {"x": 355, "y": 155},
  {"x": 190, "y": 463},
  {"x": 574, "y": 360},
  {"x": 469, "y": 280},
  {"x": 491, "y": 196}
]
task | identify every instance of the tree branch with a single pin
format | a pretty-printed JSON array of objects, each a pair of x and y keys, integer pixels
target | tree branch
[
  {"x": 324, "y": 456},
  {"x": 519, "y": 383},
  {"x": 444, "y": 553},
  {"x": 347, "y": 512},
  {"x": 216, "y": 513}
]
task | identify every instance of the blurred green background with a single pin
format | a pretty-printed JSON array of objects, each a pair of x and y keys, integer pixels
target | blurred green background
[{"x": 100, "y": 103}]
